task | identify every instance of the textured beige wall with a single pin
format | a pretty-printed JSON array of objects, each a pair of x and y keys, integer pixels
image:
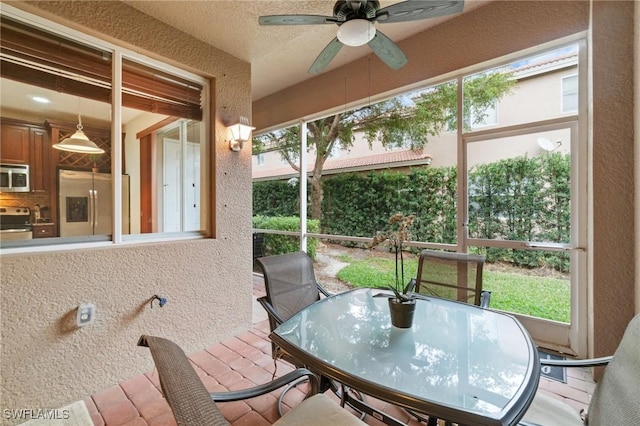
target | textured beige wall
[
  {"x": 497, "y": 29},
  {"x": 46, "y": 361},
  {"x": 614, "y": 213}
]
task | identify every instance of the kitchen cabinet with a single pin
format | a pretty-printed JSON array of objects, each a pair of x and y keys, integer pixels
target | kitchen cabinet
[
  {"x": 14, "y": 145},
  {"x": 43, "y": 230},
  {"x": 40, "y": 148},
  {"x": 27, "y": 143}
]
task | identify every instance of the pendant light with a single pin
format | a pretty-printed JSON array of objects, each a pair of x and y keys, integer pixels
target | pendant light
[{"x": 79, "y": 142}]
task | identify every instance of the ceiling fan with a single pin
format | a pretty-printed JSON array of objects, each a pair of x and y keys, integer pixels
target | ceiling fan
[{"x": 355, "y": 20}]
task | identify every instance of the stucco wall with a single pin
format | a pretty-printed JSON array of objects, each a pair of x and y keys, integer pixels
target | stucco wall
[
  {"x": 614, "y": 213},
  {"x": 497, "y": 29},
  {"x": 46, "y": 361}
]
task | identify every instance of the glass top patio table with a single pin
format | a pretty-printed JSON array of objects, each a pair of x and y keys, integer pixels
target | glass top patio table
[{"x": 458, "y": 362}]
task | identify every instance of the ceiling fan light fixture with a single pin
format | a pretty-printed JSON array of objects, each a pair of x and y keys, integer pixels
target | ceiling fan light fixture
[{"x": 356, "y": 32}]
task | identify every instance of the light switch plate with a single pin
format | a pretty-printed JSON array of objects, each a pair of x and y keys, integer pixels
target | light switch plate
[{"x": 85, "y": 315}]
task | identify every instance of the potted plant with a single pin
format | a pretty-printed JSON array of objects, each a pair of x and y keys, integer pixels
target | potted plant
[{"x": 401, "y": 301}]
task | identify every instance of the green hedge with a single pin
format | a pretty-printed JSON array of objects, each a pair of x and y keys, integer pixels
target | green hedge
[
  {"x": 276, "y": 198},
  {"x": 280, "y": 244},
  {"x": 360, "y": 205},
  {"x": 516, "y": 199},
  {"x": 523, "y": 199}
]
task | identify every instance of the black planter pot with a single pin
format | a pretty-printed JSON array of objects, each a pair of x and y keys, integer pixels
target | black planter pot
[{"x": 401, "y": 313}]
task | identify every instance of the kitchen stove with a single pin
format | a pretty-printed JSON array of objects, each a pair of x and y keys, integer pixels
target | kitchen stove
[{"x": 15, "y": 223}]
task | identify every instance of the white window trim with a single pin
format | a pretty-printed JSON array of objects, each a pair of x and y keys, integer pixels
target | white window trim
[
  {"x": 483, "y": 125},
  {"x": 562, "y": 94}
]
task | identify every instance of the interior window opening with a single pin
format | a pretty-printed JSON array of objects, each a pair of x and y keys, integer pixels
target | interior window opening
[{"x": 70, "y": 196}]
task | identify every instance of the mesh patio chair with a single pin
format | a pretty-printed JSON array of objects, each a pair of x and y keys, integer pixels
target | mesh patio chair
[
  {"x": 615, "y": 398},
  {"x": 453, "y": 276},
  {"x": 193, "y": 405},
  {"x": 291, "y": 285}
]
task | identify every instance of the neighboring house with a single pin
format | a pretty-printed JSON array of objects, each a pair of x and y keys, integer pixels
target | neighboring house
[
  {"x": 395, "y": 160},
  {"x": 545, "y": 85}
]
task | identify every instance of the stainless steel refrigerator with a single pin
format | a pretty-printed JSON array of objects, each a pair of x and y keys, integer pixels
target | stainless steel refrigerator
[{"x": 85, "y": 203}]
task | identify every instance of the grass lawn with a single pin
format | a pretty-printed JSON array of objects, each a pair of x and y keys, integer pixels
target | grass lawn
[{"x": 539, "y": 296}]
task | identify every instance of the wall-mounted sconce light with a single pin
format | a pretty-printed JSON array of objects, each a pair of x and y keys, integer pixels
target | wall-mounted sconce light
[
  {"x": 240, "y": 133},
  {"x": 79, "y": 142}
]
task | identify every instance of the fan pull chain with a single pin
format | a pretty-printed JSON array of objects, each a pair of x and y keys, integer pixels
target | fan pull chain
[
  {"x": 345, "y": 94},
  {"x": 344, "y": 67},
  {"x": 369, "y": 82}
]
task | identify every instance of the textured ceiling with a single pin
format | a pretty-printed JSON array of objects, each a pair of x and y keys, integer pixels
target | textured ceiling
[{"x": 279, "y": 56}]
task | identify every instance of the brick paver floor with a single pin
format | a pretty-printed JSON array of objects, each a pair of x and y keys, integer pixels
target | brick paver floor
[{"x": 244, "y": 361}]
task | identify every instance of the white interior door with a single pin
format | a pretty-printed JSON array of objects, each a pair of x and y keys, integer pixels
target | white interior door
[
  {"x": 192, "y": 187},
  {"x": 172, "y": 193}
]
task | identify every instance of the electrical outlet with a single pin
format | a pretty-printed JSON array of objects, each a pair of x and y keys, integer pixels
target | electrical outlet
[{"x": 86, "y": 314}]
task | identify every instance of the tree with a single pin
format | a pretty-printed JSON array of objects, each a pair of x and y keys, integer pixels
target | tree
[{"x": 406, "y": 120}]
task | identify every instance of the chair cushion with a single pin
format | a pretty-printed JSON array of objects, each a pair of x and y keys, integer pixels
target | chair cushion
[
  {"x": 616, "y": 399},
  {"x": 319, "y": 410},
  {"x": 546, "y": 410}
]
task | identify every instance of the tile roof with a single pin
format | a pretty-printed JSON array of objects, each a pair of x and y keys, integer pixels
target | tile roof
[
  {"x": 391, "y": 159},
  {"x": 546, "y": 65}
]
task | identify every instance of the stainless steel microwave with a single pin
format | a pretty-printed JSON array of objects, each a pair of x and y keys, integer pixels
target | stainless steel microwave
[{"x": 14, "y": 178}]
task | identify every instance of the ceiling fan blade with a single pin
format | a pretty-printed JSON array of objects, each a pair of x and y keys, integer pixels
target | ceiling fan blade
[
  {"x": 328, "y": 53},
  {"x": 387, "y": 51},
  {"x": 296, "y": 20},
  {"x": 414, "y": 10}
]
